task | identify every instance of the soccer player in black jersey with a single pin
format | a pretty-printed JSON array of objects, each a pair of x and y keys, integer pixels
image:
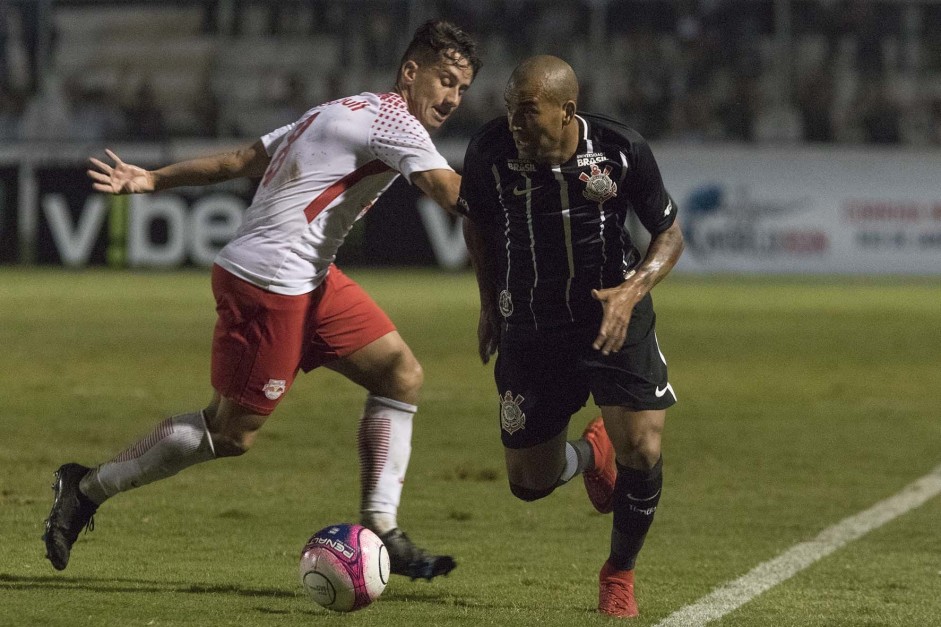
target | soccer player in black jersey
[{"x": 565, "y": 301}]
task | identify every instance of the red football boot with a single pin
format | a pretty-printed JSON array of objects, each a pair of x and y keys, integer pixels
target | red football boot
[
  {"x": 616, "y": 592},
  {"x": 599, "y": 481}
]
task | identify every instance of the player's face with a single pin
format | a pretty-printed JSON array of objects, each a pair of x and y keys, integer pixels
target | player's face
[
  {"x": 434, "y": 91},
  {"x": 537, "y": 123}
]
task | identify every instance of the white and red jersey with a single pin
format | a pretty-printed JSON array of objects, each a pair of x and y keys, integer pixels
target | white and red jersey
[{"x": 326, "y": 170}]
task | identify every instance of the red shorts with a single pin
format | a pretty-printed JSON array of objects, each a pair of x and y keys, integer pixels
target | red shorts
[{"x": 262, "y": 339}]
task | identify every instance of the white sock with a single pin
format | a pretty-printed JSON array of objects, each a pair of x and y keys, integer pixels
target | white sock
[
  {"x": 571, "y": 464},
  {"x": 385, "y": 445},
  {"x": 175, "y": 444}
]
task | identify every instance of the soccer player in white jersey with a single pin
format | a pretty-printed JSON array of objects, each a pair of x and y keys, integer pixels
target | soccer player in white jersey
[{"x": 283, "y": 306}]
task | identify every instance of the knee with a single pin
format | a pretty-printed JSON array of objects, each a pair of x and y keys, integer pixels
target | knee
[
  {"x": 406, "y": 379},
  {"x": 232, "y": 444},
  {"x": 530, "y": 494},
  {"x": 642, "y": 453},
  {"x": 641, "y": 449},
  {"x": 232, "y": 428}
]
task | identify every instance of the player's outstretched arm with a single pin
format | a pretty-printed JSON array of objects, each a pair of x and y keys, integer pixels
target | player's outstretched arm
[
  {"x": 442, "y": 186},
  {"x": 618, "y": 302},
  {"x": 124, "y": 178}
]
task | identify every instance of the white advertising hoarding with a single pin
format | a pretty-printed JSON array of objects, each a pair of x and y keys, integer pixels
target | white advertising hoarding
[{"x": 806, "y": 210}]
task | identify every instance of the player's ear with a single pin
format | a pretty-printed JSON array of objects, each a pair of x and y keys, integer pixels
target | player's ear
[
  {"x": 568, "y": 112},
  {"x": 408, "y": 72}
]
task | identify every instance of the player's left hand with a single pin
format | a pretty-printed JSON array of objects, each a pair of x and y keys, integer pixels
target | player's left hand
[{"x": 618, "y": 303}]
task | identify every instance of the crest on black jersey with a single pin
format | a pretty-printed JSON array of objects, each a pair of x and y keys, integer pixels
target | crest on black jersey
[{"x": 598, "y": 186}]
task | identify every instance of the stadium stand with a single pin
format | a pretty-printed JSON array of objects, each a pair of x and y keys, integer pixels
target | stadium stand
[{"x": 722, "y": 70}]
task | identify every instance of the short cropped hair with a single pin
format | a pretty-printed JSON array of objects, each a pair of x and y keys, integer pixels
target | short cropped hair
[{"x": 437, "y": 38}]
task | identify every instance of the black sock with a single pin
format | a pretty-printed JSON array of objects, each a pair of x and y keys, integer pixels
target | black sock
[{"x": 636, "y": 495}]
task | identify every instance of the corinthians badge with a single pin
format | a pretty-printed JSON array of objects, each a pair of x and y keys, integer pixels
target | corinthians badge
[
  {"x": 512, "y": 418},
  {"x": 506, "y": 304},
  {"x": 599, "y": 187}
]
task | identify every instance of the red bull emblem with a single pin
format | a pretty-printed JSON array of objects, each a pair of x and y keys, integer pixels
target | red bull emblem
[{"x": 274, "y": 388}]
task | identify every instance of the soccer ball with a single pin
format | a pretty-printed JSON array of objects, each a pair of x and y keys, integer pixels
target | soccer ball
[{"x": 344, "y": 567}]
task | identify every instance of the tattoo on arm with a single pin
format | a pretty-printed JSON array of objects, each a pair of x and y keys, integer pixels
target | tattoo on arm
[{"x": 664, "y": 251}]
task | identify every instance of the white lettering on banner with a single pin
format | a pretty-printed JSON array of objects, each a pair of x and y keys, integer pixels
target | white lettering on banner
[
  {"x": 194, "y": 233},
  {"x": 203, "y": 230},
  {"x": 144, "y": 210},
  {"x": 214, "y": 221},
  {"x": 74, "y": 244},
  {"x": 447, "y": 239}
]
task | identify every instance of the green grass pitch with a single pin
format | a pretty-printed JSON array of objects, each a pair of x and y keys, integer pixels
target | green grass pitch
[{"x": 802, "y": 402}]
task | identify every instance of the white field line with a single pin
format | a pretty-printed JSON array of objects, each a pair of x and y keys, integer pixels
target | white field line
[{"x": 765, "y": 576}]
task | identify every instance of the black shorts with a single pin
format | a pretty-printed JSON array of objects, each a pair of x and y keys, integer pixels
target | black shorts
[{"x": 544, "y": 376}]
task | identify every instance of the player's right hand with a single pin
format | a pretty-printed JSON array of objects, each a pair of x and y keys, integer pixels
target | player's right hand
[
  {"x": 121, "y": 178},
  {"x": 489, "y": 331}
]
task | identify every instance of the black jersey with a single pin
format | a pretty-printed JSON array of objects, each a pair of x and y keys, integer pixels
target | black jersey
[{"x": 560, "y": 231}]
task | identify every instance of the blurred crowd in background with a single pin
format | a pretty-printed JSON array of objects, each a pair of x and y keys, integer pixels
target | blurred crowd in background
[{"x": 846, "y": 71}]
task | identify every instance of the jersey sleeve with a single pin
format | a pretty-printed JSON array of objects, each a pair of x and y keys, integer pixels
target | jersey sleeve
[
  {"x": 272, "y": 140},
  {"x": 399, "y": 140},
  {"x": 648, "y": 196}
]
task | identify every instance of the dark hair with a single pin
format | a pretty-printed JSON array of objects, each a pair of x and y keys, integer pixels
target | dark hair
[{"x": 437, "y": 38}]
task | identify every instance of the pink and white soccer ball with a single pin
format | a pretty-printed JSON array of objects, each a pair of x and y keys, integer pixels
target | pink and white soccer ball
[{"x": 344, "y": 567}]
